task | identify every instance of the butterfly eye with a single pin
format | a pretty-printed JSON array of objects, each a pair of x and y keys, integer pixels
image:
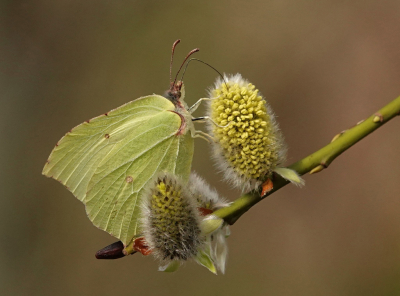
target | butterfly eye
[{"x": 172, "y": 95}]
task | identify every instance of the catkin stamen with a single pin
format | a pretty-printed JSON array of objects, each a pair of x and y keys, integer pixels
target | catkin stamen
[{"x": 251, "y": 129}]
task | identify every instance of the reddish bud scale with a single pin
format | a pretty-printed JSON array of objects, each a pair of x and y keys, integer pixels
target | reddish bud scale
[
  {"x": 204, "y": 211},
  {"x": 141, "y": 246}
]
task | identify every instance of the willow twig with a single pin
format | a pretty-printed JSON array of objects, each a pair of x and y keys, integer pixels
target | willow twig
[{"x": 316, "y": 161}]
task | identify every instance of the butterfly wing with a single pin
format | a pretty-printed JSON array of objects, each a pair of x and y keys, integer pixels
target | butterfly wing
[{"x": 107, "y": 161}]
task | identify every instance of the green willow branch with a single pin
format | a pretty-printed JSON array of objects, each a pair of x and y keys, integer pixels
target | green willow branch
[{"x": 316, "y": 161}]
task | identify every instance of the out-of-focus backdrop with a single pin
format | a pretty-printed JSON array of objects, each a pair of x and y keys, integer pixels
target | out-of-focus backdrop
[{"x": 322, "y": 64}]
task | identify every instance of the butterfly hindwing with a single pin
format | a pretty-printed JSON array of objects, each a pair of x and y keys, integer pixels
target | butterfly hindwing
[{"x": 106, "y": 162}]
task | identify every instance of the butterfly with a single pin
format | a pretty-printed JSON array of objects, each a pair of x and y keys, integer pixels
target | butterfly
[{"x": 107, "y": 161}]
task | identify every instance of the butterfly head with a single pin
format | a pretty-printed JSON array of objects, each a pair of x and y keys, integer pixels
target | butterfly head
[{"x": 176, "y": 93}]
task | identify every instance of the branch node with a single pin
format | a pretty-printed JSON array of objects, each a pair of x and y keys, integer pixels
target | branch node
[
  {"x": 337, "y": 136},
  {"x": 378, "y": 118},
  {"x": 317, "y": 169}
]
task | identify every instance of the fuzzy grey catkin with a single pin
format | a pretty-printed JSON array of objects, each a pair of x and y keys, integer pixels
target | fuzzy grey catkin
[{"x": 170, "y": 220}]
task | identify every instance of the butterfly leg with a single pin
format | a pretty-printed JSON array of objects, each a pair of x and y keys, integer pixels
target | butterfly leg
[
  {"x": 197, "y": 104},
  {"x": 203, "y": 118},
  {"x": 203, "y": 135}
]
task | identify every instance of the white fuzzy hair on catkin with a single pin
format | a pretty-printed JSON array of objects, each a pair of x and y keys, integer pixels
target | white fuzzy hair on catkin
[{"x": 200, "y": 188}]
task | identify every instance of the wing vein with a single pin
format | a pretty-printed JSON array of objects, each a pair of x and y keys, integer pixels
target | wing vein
[{"x": 152, "y": 176}]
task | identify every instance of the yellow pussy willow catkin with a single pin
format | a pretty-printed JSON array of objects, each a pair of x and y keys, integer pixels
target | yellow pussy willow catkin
[{"x": 247, "y": 142}]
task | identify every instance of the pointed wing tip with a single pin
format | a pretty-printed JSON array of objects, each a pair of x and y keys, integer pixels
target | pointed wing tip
[{"x": 45, "y": 172}]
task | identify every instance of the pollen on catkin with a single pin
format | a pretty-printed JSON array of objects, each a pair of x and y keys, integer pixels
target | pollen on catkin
[
  {"x": 170, "y": 220},
  {"x": 248, "y": 144}
]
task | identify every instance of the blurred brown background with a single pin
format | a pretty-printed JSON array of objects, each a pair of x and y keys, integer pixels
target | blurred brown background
[{"x": 323, "y": 65}]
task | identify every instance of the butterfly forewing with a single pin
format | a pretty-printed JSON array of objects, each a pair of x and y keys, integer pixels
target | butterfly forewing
[{"x": 107, "y": 161}]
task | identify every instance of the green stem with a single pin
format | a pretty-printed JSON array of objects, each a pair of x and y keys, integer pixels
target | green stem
[{"x": 316, "y": 161}]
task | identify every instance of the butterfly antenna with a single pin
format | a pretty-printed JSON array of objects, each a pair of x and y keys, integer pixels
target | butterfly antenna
[
  {"x": 188, "y": 55},
  {"x": 194, "y": 59},
  {"x": 172, "y": 59}
]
